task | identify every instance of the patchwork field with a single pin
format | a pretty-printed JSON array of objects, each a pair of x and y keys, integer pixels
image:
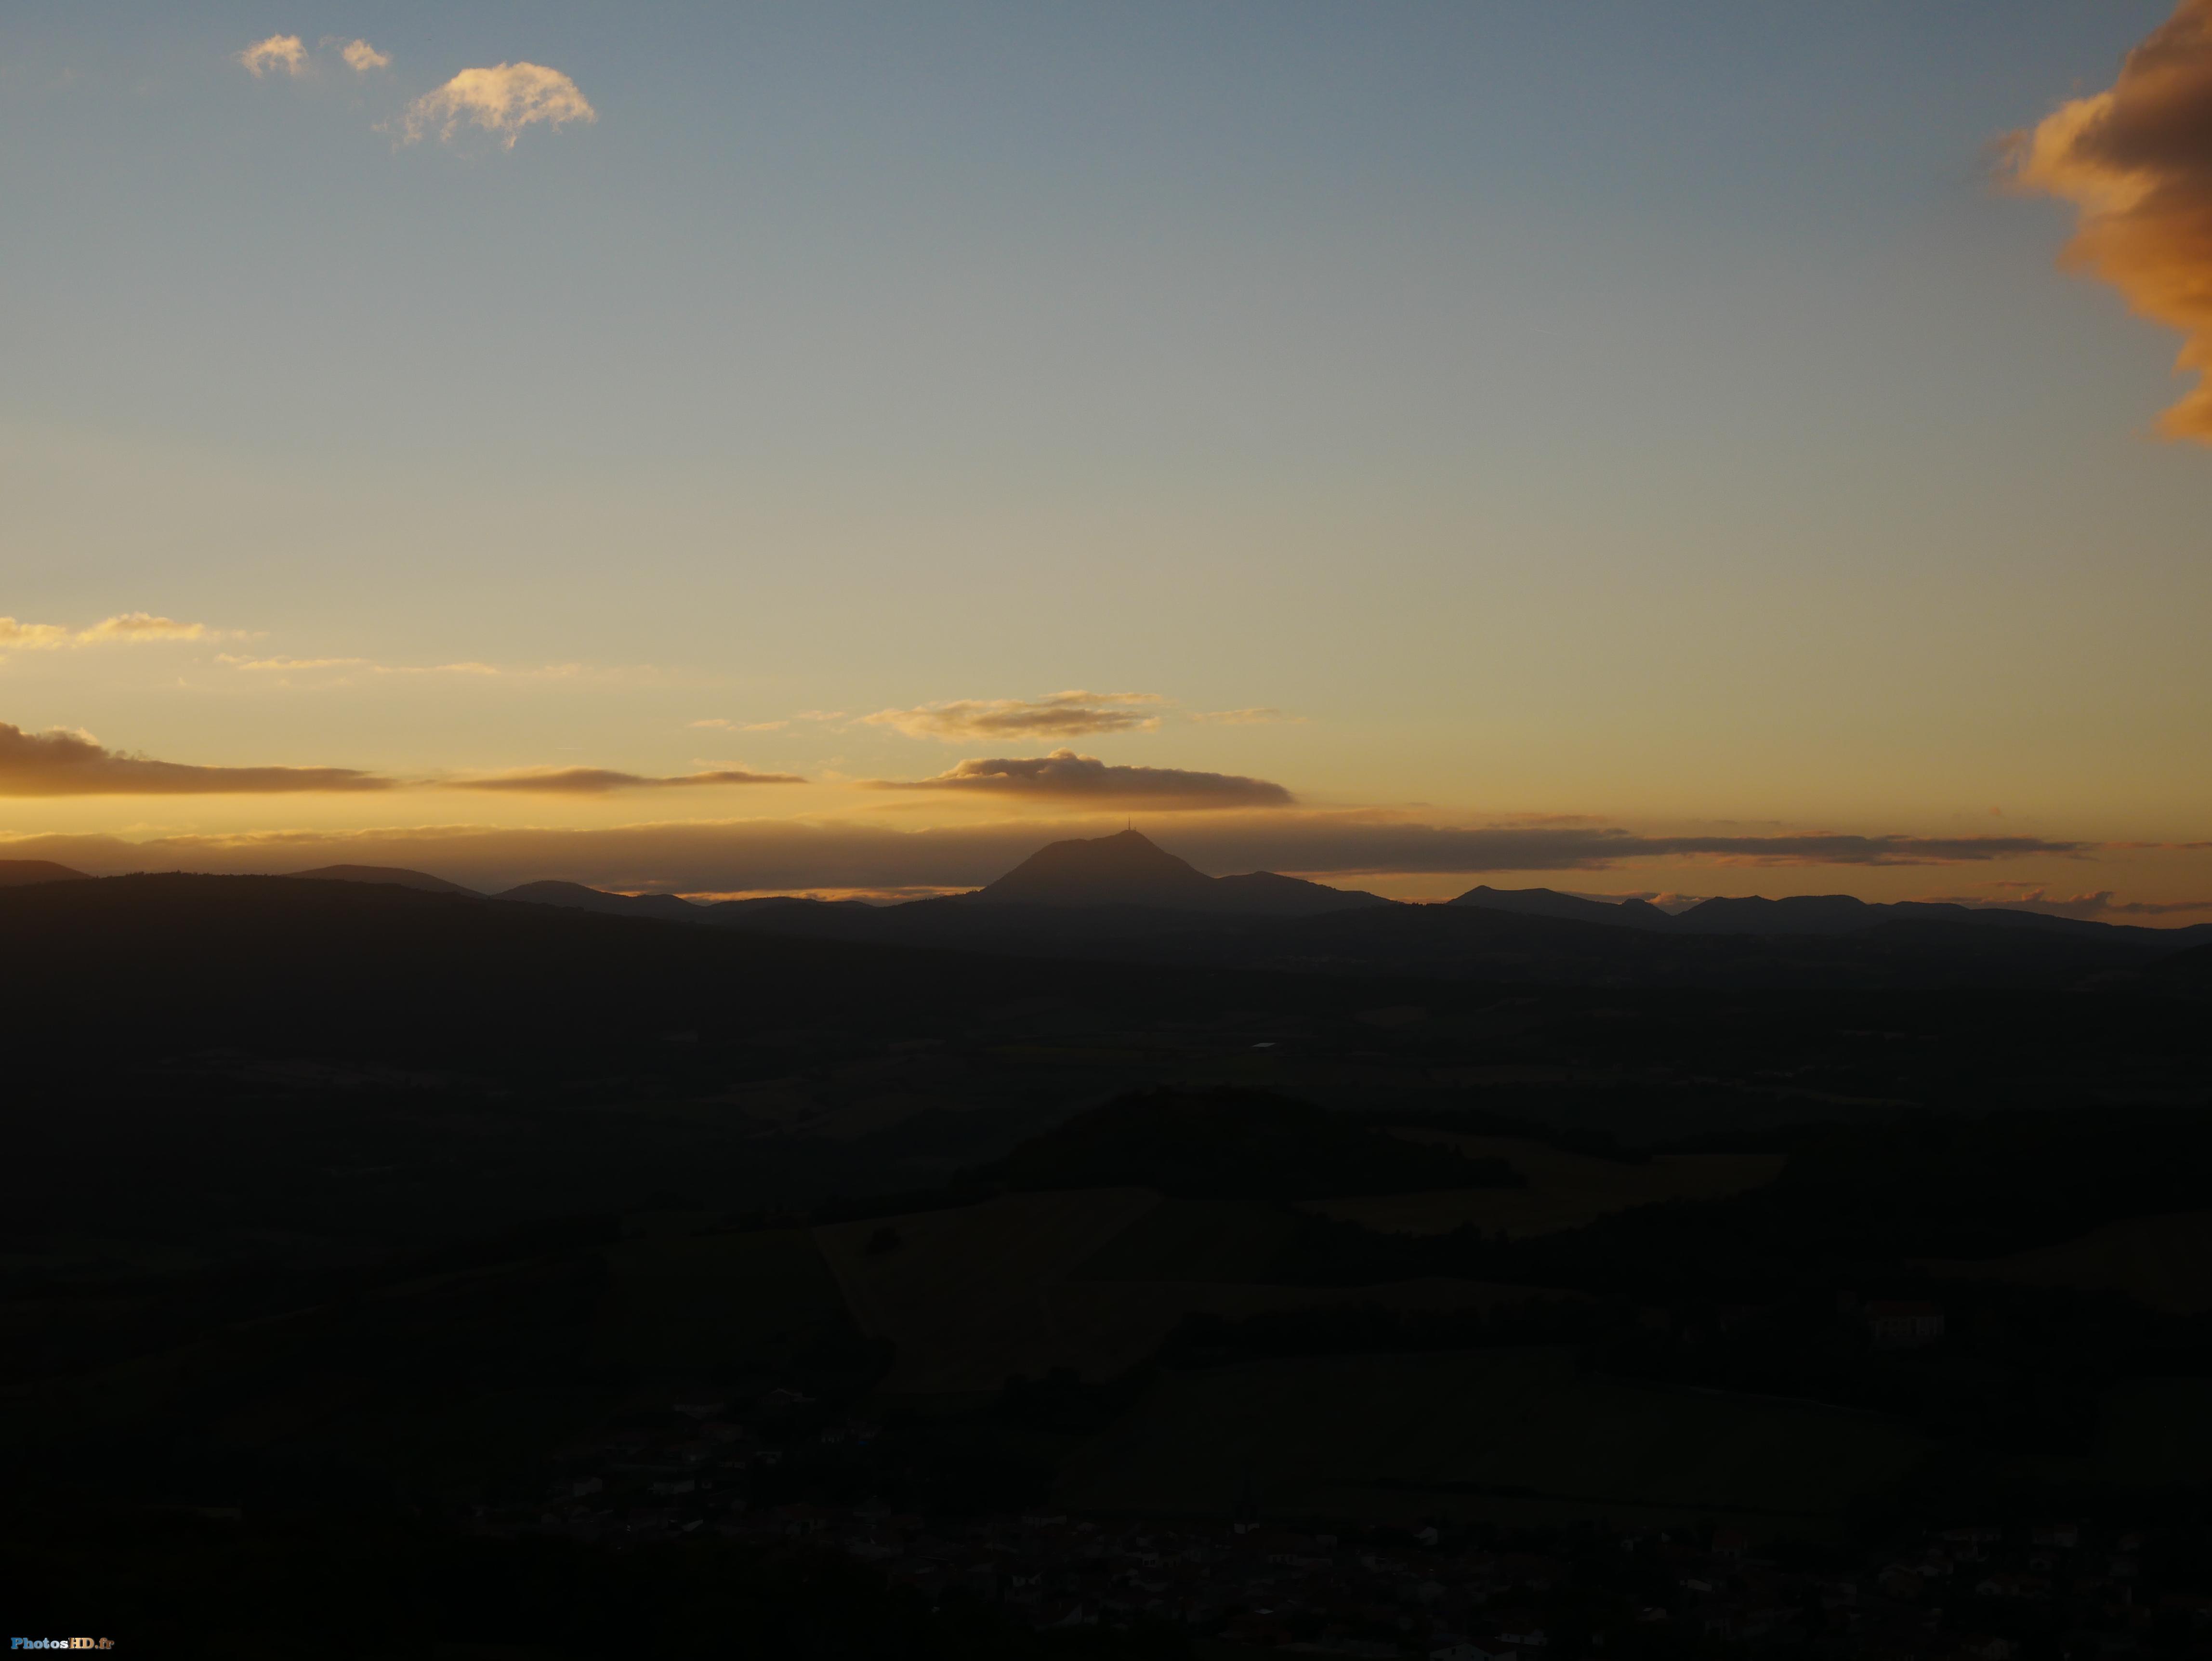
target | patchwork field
[
  {"x": 2164, "y": 1262},
  {"x": 1212, "y": 1240},
  {"x": 693, "y": 1302},
  {"x": 1503, "y": 1434},
  {"x": 973, "y": 1295},
  {"x": 1565, "y": 1190}
]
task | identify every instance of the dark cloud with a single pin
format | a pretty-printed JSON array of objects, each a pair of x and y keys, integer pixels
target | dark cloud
[
  {"x": 600, "y": 780},
  {"x": 2136, "y": 161},
  {"x": 65, "y": 763},
  {"x": 1060, "y": 716},
  {"x": 1063, "y": 776}
]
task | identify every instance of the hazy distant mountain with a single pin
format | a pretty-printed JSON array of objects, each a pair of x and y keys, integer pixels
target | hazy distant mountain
[
  {"x": 14, "y": 873},
  {"x": 393, "y": 876},
  {"x": 574, "y": 896},
  {"x": 1550, "y": 903},
  {"x": 1128, "y": 868}
]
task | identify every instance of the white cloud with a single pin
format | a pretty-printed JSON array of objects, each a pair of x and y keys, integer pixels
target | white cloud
[
  {"x": 360, "y": 58},
  {"x": 278, "y": 51},
  {"x": 502, "y": 100}
]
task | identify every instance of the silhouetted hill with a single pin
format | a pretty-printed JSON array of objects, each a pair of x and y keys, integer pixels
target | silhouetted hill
[
  {"x": 172, "y": 964},
  {"x": 1550, "y": 903},
  {"x": 392, "y": 875},
  {"x": 1814, "y": 914},
  {"x": 1128, "y": 868},
  {"x": 1798, "y": 914},
  {"x": 731, "y": 911},
  {"x": 17, "y": 872},
  {"x": 1474, "y": 942},
  {"x": 574, "y": 896},
  {"x": 1275, "y": 895}
]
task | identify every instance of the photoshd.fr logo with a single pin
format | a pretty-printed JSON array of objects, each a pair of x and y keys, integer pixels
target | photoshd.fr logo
[{"x": 61, "y": 1643}]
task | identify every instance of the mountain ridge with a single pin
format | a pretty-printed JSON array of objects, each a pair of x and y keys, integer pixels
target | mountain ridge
[{"x": 1130, "y": 868}]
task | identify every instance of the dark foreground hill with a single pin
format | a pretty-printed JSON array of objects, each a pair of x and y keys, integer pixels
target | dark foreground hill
[
  {"x": 459, "y": 1277},
  {"x": 125, "y": 967}
]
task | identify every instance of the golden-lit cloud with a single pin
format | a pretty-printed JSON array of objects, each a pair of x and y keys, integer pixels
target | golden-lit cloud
[
  {"x": 2136, "y": 160},
  {"x": 1063, "y": 776},
  {"x": 501, "y": 100},
  {"x": 142, "y": 625},
  {"x": 129, "y": 627},
  {"x": 35, "y": 636},
  {"x": 283, "y": 52},
  {"x": 284, "y": 664},
  {"x": 600, "y": 780},
  {"x": 1061, "y": 716},
  {"x": 68, "y": 764},
  {"x": 265, "y": 665},
  {"x": 360, "y": 58},
  {"x": 1260, "y": 716}
]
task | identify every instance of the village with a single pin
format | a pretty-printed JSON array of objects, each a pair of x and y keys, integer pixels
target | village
[{"x": 1413, "y": 1588}]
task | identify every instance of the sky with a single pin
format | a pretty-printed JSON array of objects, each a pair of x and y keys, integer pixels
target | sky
[{"x": 1712, "y": 448}]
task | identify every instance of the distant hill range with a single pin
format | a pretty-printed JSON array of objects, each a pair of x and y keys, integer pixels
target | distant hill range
[
  {"x": 1797, "y": 914},
  {"x": 16, "y": 873},
  {"x": 574, "y": 896},
  {"x": 389, "y": 875},
  {"x": 1123, "y": 898}
]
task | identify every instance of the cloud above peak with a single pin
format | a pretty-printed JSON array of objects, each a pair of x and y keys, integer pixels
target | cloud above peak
[
  {"x": 1057, "y": 716},
  {"x": 63, "y": 762},
  {"x": 600, "y": 780},
  {"x": 2136, "y": 160},
  {"x": 501, "y": 100},
  {"x": 282, "y": 53},
  {"x": 1063, "y": 776}
]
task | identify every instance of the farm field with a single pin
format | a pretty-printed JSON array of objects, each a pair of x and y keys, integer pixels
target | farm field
[
  {"x": 974, "y": 1295},
  {"x": 2164, "y": 1262},
  {"x": 1196, "y": 1240},
  {"x": 690, "y": 1303},
  {"x": 1498, "y": 1434},
  {"x": 1565, "y": 1190}
]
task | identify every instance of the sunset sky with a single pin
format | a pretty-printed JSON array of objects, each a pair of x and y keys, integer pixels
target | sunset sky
[{"x": 1617, "y": 447}]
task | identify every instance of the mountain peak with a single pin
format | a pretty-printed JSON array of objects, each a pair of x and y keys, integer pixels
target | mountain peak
[{"x": 1127, "y": 869}]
